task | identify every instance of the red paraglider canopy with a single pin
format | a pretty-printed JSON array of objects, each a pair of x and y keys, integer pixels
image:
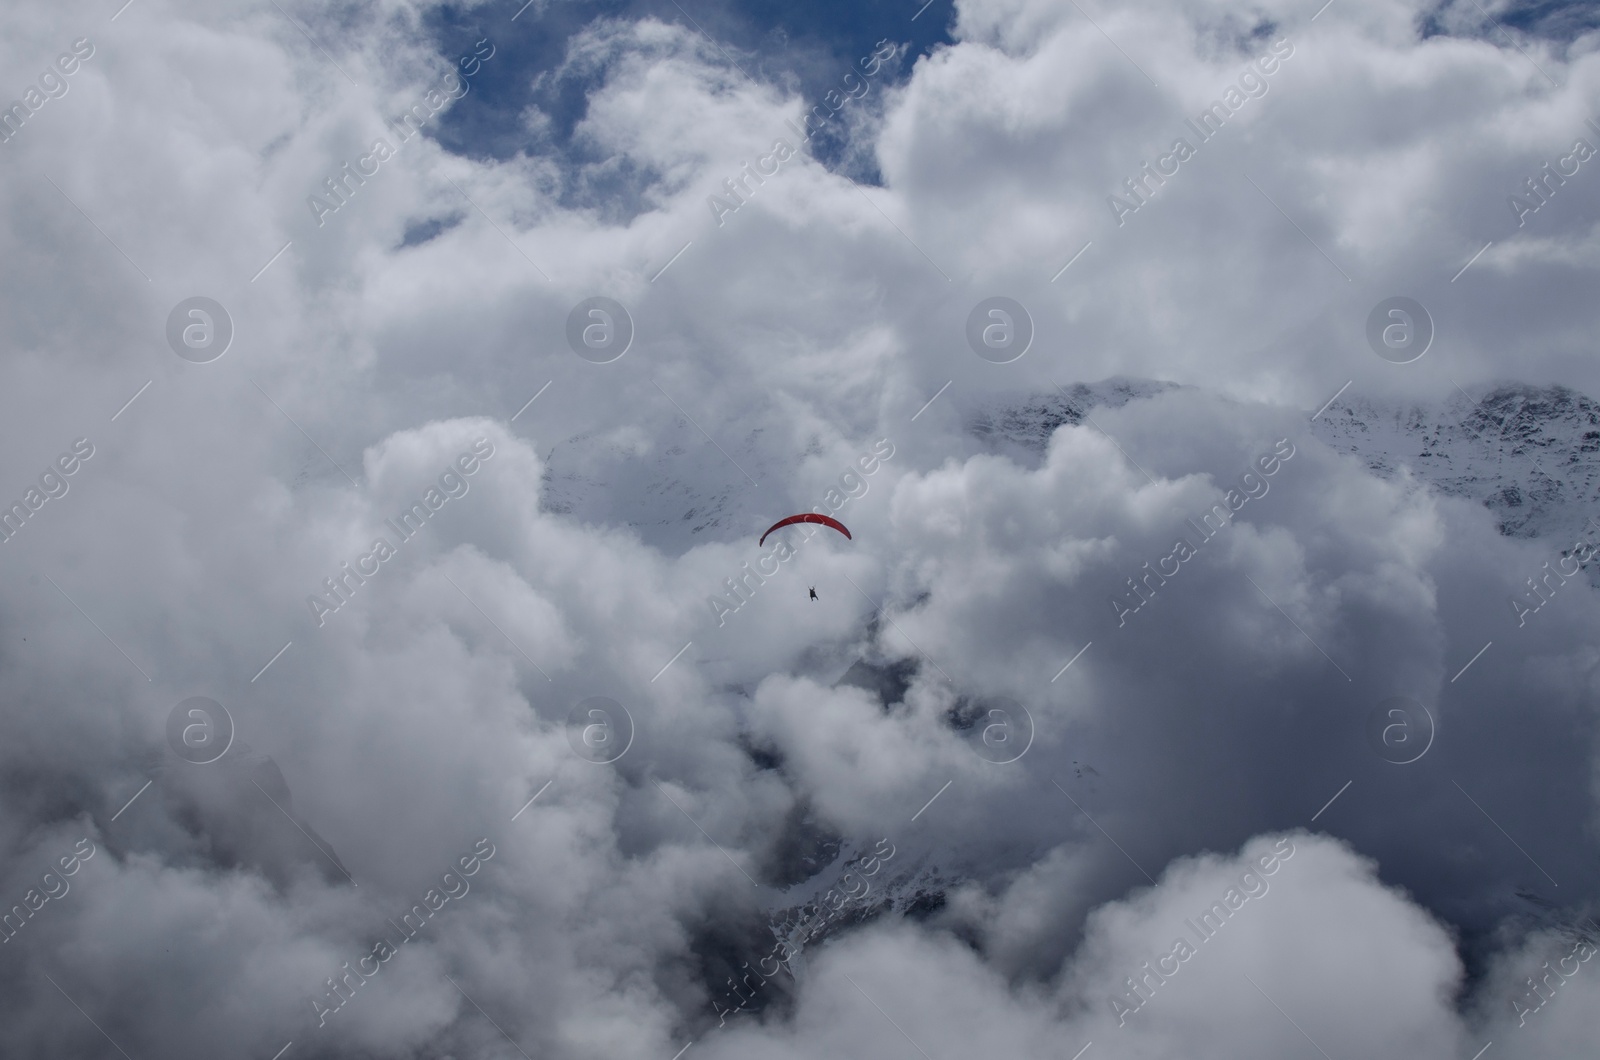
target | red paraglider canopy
[{"x": 808, "y": 517}]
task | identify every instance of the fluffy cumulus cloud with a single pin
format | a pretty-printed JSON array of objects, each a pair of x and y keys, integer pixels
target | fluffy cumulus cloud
[{"x": 389, "y": 668}]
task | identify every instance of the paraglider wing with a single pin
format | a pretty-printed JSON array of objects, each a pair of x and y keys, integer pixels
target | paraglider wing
[{"x": 808, "y": 517}]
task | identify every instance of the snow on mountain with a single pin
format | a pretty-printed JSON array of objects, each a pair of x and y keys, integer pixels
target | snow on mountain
[
  {"x": 1020, "y": 425},
  {"x": 672, "y": 485},
  {"x": 1529, "y": 454}
]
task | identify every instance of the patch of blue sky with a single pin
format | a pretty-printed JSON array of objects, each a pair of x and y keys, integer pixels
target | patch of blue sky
[
  {"x": 1561, "y": 21},
  {"x": 806, "y": 48}
]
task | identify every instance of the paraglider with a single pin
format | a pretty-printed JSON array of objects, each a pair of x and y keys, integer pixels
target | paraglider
[
  {"x": 807, "y": 517},
  {"x": 813, "y": 592}
]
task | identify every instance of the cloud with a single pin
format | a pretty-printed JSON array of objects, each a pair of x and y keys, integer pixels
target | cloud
[
  {"x": 379, "y": 741},
  {"x": 1333, "y": 955}
]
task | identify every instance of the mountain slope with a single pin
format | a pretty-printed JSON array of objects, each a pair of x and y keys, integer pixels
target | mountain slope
[{"x": 1529, "y": 454}]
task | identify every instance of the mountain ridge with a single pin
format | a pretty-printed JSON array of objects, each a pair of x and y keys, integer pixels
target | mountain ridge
[{"x": 1529, "y": 454}]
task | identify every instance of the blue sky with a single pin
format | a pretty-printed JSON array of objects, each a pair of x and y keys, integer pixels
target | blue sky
[{"x": 808, "y": 47}]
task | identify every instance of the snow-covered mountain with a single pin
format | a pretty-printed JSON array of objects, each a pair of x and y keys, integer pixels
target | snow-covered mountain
[
  {"x": 1019, "y": 425},
  {"x": 1529, "y": 454},
  {"x": 674, "y": 487}
]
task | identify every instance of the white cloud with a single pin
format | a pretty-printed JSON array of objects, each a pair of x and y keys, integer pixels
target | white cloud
[{"x": 818, "y": 318}]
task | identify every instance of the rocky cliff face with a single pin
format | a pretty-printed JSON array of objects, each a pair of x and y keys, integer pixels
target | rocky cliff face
[{"x": 1529, "y": 454}]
